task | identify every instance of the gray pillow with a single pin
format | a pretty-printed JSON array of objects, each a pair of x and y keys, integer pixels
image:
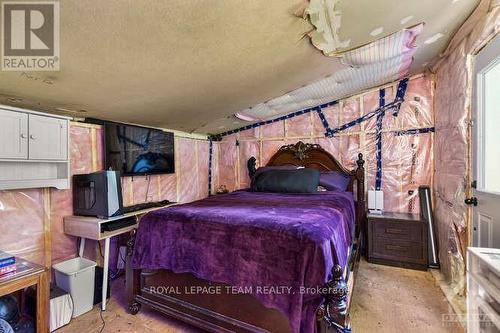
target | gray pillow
[{"x": 287, "y": 181}]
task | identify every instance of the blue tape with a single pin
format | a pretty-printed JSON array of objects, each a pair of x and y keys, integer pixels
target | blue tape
[
  {"x": 210, "y": 153},
  {"x": 378, "y": 140},
  {"x": 331, "y": 132},
  {"x": 415, "y": 131},
  {"x": 218, "y": 137},
  {"x": 324, "y": 121}
]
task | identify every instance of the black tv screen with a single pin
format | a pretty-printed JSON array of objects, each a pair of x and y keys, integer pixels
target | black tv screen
[{"x": 135, "y": 150}]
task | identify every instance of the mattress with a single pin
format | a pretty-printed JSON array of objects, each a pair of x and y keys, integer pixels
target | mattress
[{"x": 278, "y": 247}]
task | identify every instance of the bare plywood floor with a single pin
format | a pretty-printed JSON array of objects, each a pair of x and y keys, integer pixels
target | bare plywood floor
[
  {"x": 386, "y": 299},
  {"x": 389, "y": 299}
]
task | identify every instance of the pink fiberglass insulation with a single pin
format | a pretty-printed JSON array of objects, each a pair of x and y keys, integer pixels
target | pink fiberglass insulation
[
  {"x": 99, "y": 149},
  {"x": 452, "y": 175},
  {"x": 350, "y": 111},
  {"x": 202, "y": 172},
  {"x": 168, "y": 187},
  {"x": 81, "y": 154},
  {"x": 127, "y": 191},
  {"x": 406, "y": 160},
  {"x": 299, "y": 126},
  {"x": 332, "y": 116},
  {"x": 188, "y": 185},
  {"x": 274, "y": 130},
  {"x": 267, "y": 151},
  {"x": 145, "y": 188},
  {"x": 454, "y": 83},
  {"x": 228, "y": 163},
  {"x": 22, "y": 217},
  {"x": 251, "y": 133}
]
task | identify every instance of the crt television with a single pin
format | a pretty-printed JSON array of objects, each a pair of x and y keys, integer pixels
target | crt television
[{"x": 136, "y": 150}]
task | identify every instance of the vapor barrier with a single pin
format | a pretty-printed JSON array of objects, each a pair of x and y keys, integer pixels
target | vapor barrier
[
  {"x": 407, "y": 158},
  {"x": 453, "y": 137}
]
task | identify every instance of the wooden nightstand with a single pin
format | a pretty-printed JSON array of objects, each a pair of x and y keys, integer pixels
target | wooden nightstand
[{"x": 397, "y": 239}]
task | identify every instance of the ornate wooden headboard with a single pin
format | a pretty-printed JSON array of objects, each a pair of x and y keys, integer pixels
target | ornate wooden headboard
[{"x": 313, "y": 156}]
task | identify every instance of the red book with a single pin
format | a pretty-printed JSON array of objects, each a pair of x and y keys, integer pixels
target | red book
[{"x": 7, "y": 269}]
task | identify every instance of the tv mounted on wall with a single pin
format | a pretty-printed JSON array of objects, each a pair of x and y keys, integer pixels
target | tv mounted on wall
[{"x": 135, "y": 150}]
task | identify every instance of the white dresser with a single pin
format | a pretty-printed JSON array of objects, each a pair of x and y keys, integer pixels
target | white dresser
[{"x": 483, "y": 290}]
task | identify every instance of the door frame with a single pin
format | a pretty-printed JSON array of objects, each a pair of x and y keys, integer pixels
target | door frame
[{"x": 484, "y": 59}]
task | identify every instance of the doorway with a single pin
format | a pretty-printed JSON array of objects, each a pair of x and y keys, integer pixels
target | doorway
[{"x": 485, "y": 199}]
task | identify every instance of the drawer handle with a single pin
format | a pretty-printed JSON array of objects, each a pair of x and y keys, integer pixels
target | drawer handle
[
  {"x": 395, "y": 231},
  {"x": 32, "y": 137},
  {"x": 396, "y": 247},
  {"x": 23, "y": 136}
]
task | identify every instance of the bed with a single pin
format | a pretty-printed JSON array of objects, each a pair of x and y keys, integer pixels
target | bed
[{"x": 254, "y": 262}]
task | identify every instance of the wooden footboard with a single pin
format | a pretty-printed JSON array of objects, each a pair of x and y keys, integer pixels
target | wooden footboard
[{"x": 162, "y": 291}]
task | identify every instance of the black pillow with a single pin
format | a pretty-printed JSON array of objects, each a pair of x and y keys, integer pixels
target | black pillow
[{"x": 287, "y": 181}]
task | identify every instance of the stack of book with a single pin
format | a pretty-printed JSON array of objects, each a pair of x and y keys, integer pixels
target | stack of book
[{"x": 7, "y": 263}]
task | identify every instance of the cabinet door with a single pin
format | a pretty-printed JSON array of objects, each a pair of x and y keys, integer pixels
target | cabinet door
[
  {"x": 48, "y": 138},
  {"x": 13, "y": 135}
]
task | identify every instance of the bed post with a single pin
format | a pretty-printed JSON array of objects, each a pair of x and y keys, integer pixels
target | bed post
[
  {"x": 361, "y": 206},
  {"x": 332, "y": 313},
  {"x": 251, "y": 166},
  {"x": 132, "y": 276}
]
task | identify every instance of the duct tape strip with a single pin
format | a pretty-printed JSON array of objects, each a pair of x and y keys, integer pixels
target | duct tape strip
[
  {"x": 378, "y": 140},
  {"x": 322, "y": 117},
  {"x": 415, "y": 131},
  {"x": 218, "y": 137},
  {"x": 394, "y": 106},
  {"x": 210, "y": 154}
]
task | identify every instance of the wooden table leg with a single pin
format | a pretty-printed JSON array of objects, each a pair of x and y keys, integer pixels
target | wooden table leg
[
  {"x": 82, "y": 247},
  {"x": 42, "y": 304}
]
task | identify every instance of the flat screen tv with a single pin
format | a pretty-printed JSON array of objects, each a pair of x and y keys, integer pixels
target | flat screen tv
[{"x": 135, "y": 150}]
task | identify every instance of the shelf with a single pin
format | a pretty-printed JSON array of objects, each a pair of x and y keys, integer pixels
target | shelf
[
  {"x": 90, "y": 227},
  {"x": 31, "y": 161},
  {"x": 61, "y": 184}
]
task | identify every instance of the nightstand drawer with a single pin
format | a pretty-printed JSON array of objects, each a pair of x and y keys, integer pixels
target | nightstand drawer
[
  {"x": 410, "y": 232},
  {"x": 398, "y": 249},
  {"x": 397, "y": 239}
]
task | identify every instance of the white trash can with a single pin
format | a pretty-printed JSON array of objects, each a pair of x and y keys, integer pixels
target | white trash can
[{"x": 76, "y": 276}]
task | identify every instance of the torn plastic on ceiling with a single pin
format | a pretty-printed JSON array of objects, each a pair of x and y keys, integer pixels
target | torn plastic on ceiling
[{"x": 382, "y": 61}]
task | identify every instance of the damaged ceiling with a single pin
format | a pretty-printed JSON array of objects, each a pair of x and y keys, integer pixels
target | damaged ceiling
[{"x": 191, "y": 65}]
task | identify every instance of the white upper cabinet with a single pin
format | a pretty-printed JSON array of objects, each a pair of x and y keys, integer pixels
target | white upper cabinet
[
  {"x": 33, "y": 149},
  {"x": 48, "y": 138},
  {"x": 13, "y": 135}
]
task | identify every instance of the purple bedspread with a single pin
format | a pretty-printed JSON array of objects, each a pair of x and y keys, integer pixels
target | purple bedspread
[{"x": 249, "y": 239}]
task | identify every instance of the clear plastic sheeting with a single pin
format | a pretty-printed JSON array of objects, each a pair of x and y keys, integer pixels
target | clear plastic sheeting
[
  {"x": 22, "y": 220},
  {"x": 31, "y": 221},
  {"x": 83, "y": 160},
  {"x": 407, "y": 159},
  {"x": 381, "y": 61},
  {"x": 453, "y": 137}
]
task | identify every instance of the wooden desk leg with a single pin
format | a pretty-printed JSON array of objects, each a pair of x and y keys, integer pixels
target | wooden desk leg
[
  {"x": 105, "y": 273},
  {"x": 82, "y": 247},
  {"x": 42, "y": 304}
]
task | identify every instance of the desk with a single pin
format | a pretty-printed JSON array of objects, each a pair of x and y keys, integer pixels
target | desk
[
  {"x": 87, "y": 227},
  {"x": 29, "y": 274}
]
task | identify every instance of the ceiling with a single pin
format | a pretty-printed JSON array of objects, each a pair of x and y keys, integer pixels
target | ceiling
[{"x": 191, "y": 65}]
